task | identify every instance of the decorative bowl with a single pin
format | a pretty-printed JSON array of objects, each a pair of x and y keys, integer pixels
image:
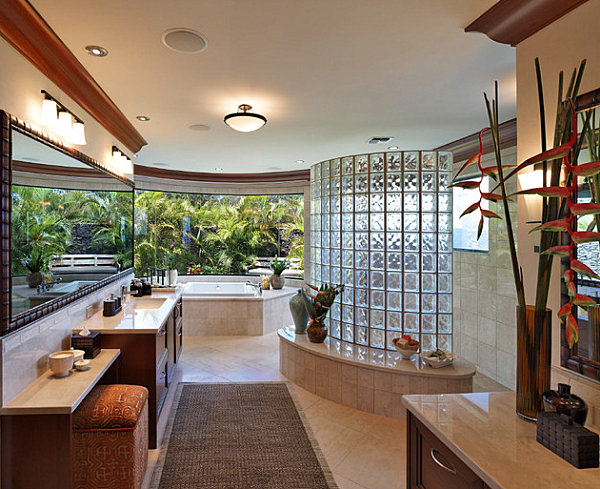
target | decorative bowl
[
  {"x": 82, "y": 365},
  {"x": 61, "y": 362},
  {"x": 77, "y": 355},
  {"x": 437, "y": 362},
  {"x": 408, "y": 351}
]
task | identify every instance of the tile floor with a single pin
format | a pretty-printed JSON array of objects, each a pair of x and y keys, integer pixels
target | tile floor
[{"x": 364, "y": 451}]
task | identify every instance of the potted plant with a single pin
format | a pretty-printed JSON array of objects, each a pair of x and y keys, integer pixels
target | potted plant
[
  {"x": 37, "y": 264},
  {"x": 534, "y": 323},
  {"x": 317, "y": 307},
  {"x": 277, "y": 280}
]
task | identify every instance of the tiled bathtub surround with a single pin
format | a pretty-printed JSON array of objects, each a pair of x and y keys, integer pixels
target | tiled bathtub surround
[
  {"x": 237, "y": 316},
  {"x": 484, "y": 296},
  {"x": 363, "y": 378},
  {"x": 25, "y": 352},
  {"x": 382, "y": 226}
]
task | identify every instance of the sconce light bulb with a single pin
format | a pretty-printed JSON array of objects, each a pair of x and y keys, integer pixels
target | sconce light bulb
[
  {"x": 65, "y": 124},
  {"x": 49, "y": 115},
  {"x": 78, "y": 133}
]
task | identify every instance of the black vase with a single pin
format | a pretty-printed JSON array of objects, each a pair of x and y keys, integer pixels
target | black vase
[{"x": 563, "y": 402}]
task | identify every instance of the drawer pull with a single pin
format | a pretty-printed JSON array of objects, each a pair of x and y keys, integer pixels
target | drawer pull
[
  {"x": 451, "y": 469},
  {"x": 162, "y": 332}
]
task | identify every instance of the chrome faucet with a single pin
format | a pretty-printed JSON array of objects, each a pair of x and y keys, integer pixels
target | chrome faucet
[
  {"x": 256, "y": 286},
  {"x": 124, "y": 292}
]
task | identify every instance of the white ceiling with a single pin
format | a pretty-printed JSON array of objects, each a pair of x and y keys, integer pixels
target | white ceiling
[{"x": 328, "y": 75}]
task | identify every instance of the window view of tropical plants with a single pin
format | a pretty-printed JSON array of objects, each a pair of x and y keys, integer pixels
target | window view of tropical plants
[{"x": 217, "y": 234}]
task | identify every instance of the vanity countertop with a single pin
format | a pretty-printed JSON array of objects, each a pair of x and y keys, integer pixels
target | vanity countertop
[
  {"x": 53, "y": 395},
  {"x": 483, "y": 430},
  {"x": 141, "y": 315}
]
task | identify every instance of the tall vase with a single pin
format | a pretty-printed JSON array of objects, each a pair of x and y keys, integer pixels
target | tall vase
[
  {"x": 299, "y": 312},
  {"x": 534, "y": 331},
  {"x": 594, "y": 326}
]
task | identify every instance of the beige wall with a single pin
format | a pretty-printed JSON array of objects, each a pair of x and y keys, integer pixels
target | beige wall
[
  {"x": 560, "y": 46},
  {"x": 485, "y": 298}
]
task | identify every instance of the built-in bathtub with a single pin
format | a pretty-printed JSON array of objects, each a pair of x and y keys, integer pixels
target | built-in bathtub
[{"x": 234, "y": 309}]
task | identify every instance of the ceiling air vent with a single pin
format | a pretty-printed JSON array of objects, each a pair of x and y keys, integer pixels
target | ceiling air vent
[{"x": 380, "y": 139}]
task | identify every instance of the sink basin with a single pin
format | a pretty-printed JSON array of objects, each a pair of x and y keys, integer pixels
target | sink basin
[{"x": 140, "y": 304}]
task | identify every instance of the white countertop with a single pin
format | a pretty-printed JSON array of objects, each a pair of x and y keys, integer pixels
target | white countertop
[
  {"x": 375, "y": 358},
  {"x": 484, "y": 431},
  {"x": 135, "y": 317},
  {"x": 53, "y": 395}
]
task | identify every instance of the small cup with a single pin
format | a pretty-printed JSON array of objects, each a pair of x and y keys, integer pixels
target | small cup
[
  {"x": 82, "y": 365},
  {"x": 77, "y": 355},
  {"x": 61, "y": 362}
]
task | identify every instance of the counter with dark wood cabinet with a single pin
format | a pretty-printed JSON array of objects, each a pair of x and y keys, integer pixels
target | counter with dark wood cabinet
[
  {"x": 149, "y": 334},
  {"x": 476, "y": 441}
]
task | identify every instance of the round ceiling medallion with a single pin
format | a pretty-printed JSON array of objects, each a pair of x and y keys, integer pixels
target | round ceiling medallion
[{"x": 184, "y": 40}]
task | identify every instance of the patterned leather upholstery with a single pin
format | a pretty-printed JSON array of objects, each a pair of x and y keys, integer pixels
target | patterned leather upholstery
[{"x": 110, "y": 438}]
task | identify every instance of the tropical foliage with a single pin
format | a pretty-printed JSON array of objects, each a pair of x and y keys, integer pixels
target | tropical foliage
[
  {"x": 50, "y": 222},
  {"x": 215, "y": 234},
  {"x": 559, "y": 204}
]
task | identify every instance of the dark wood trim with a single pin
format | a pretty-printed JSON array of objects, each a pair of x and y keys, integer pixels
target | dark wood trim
[
  {"x": 5, "y": 222},
  {"x": 464, "y": 148},
  {"x": 269, "y": 177},
  {"x": 24, "y": 28},
  {"x": 513, "y": 21},
  {"x": 588, "y": 100},
  {"x": 69, "y": 171}
]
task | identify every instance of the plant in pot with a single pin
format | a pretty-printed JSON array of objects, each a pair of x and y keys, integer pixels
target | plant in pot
[
  {"x": 37, "y": 263},
  {"x": 317, "y": 307},
  {"x": 534, "y": 321},
  {"x": 277, "y": 280}
]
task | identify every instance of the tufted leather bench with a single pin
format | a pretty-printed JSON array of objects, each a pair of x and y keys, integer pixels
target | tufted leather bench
[{"x": 110, "y": 438}]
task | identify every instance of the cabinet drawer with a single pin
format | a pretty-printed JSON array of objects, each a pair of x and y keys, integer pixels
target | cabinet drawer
[
  {"x": 161, "y": 341},
  {"x": 433, "y": 465}
]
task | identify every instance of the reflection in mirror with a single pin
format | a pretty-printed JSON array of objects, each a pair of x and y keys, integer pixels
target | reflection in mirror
[
  {"x": 585, "y": 356},
  {"x": 71, "y": 224}
]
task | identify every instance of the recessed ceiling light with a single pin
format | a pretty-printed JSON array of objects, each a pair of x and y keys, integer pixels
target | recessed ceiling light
[
  {"x": 184, "y": 40},
  {"x": 392, "y": 148},
  {"x": 98, "y": 51},
  {"x": 218, "y": 169},
  {"x": 299, "y": 161},
  {"x": 142, "y": 118},
  {"x": 199, "y": 127}
]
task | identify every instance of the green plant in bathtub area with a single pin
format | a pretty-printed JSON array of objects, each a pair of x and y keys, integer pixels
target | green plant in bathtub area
[
  {"x": 278, "y": 266},
  {"x": 318, "y": 306}
]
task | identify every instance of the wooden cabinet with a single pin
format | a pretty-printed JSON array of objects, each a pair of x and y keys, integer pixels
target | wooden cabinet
[
  {"x": 432, "y": 465},
  {"x": 150, "y": 360}
]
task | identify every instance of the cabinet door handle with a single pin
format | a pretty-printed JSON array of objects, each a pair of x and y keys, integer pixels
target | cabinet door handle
[
  {"x": 450, "y": 469},
  {"x": 162, "y": 332}
]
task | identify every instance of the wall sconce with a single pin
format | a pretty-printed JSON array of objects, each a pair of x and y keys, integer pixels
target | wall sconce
[
  {"x": 62, "y": 121},
  {"x": 121, "y": 163}
]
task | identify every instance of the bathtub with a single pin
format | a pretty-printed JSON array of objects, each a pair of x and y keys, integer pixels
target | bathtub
[
  {"x": 217, "y": 289},
  {"x": 234, "y": 309}
]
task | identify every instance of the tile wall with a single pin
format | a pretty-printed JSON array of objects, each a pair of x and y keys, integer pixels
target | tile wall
[{"x": 485, "y": 299}]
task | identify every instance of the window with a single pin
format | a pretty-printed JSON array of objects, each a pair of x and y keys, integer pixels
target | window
[{"x": 465, "y": 228}]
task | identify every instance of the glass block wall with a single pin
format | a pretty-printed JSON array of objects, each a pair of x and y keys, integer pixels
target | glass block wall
[{"x": 382, "y": 225}]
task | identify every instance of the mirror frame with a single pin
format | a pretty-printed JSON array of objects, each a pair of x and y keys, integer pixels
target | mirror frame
[
  {"x": 9, "y": 324},
  {"x": 570, "y": 358}
]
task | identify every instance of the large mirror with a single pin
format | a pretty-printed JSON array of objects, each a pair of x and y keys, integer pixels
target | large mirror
[
  {"x": 584, "y": 357},
  {"x": 71, "y": 226}
]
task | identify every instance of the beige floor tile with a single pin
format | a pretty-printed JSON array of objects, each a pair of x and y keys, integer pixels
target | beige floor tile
[{"x": 344, "y": 483}]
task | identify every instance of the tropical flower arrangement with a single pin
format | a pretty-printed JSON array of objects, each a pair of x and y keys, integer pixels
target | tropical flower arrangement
[
  {"x": 318, "y": 306},
  {"x": 559, "y": 207}
]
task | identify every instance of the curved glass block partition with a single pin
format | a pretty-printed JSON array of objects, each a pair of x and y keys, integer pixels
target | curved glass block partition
[{"x": 382, "y": 225}]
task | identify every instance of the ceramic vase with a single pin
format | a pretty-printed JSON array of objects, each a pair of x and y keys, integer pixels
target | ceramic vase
[
  {"x": 34, "y": 279},
  {"x": 533, "y": 360},
  {"x": 173, "y": 276},
  {"x": 299, "y": 312},
  {"x": 277, "y": 281},
  {"x": 316, "y": 332}
]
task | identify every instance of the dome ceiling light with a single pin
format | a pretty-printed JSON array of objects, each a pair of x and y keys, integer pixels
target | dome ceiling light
[{"x": 245, "y": 121}]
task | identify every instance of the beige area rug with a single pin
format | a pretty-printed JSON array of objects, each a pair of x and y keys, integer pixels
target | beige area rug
[{"x": 239, "y": 436}]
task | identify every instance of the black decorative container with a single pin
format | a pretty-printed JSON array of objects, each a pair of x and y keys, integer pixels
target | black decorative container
[
  {"x": 90, "y": 344},
  {"x": 563, "y": 402},
  {"x": 571, "y": 441}
]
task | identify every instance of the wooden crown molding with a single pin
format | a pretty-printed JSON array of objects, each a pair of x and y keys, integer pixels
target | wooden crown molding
[
  {"x": 512, "y": 21},
  {"x": 464, "y": 148},
  {"x": 23, "y": 27},
  {"x": 269, "y": 177},
  {"x": 68, "y": 171}
]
